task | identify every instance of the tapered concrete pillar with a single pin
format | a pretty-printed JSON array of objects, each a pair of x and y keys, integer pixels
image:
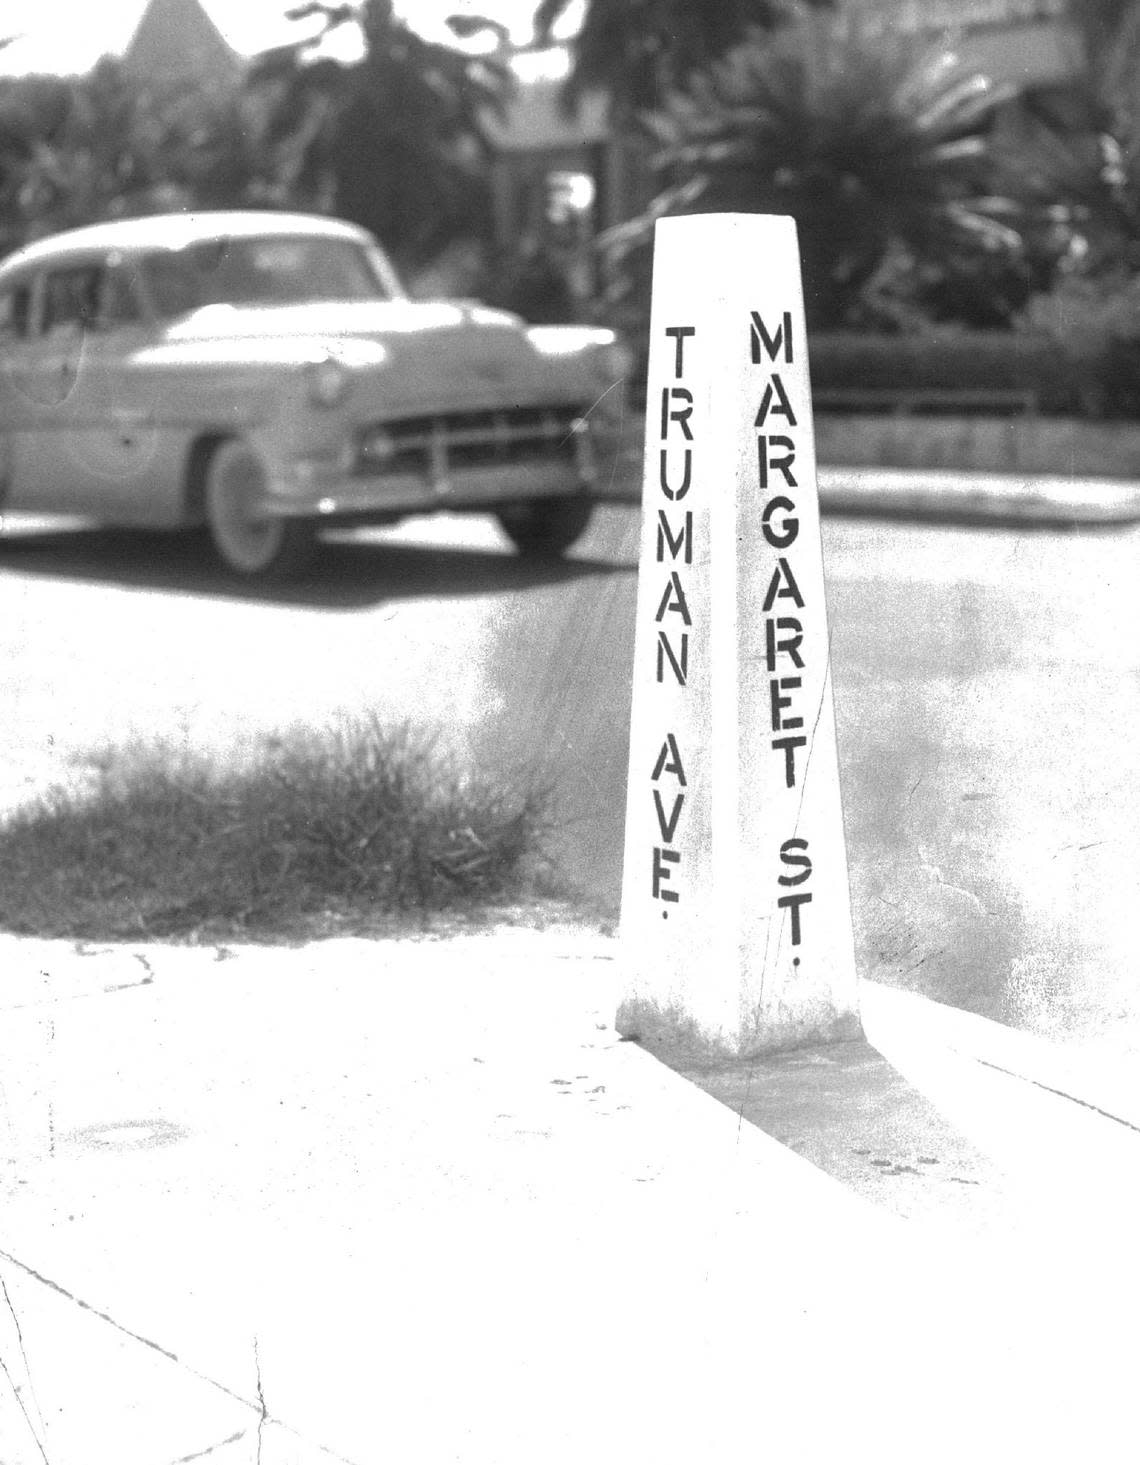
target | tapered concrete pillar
[{"x": 736, "y": 926}]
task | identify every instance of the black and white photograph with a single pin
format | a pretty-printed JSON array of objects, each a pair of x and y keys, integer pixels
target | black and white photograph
[{"x": 569, "y": 550}]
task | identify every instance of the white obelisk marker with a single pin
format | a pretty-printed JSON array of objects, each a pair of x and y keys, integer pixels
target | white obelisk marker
[{"x": 736, "y": 923}]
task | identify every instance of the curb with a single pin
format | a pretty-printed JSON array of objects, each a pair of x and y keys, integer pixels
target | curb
[
  {"x": 968, "y": 496},
  {"x": 965, "y": 494},
  {"x": 1106, "y": 1083}
]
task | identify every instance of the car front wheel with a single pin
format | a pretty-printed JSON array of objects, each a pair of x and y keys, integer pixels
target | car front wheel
[
  {"x": 247, "y": 542},
  {"x": 546, "y": 528}
]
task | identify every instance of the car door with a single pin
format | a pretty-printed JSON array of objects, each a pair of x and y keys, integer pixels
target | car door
[
  {"x": 19, "y": 411},
  {"x": 86, "y": 440},
  {"x": 44, "y": 373},
  {"x": 112, "y": 441}
]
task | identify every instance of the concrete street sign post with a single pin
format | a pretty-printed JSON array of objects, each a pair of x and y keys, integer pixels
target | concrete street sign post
[{"x": 736, "y": 925}]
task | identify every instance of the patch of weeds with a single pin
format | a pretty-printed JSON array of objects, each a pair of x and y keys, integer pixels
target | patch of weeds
[{"x": 349, "y": 832}]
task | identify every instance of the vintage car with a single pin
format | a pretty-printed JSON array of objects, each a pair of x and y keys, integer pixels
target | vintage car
[{"x": 262, "y": 374}]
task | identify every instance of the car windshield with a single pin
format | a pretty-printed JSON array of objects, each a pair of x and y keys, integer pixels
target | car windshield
[{"x": 271, "y": 271}]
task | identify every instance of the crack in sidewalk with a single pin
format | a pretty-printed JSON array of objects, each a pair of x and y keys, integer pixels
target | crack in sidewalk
[
  {"x": 264, "y": 1415},
  {"x": 24, "y": 1411},
  {"x": 1059, "y": 1093},
  {"x": 257, "y": 1406},
  {"x": 27, "y": 1366},
  {"x": 209, "y": 1450}
]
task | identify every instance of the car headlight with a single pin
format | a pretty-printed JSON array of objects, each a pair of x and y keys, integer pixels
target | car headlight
[
  {"x": 605, "y": 352},
  {"x": 330, "y": 381},
  {"x": 615, "y": 360},
  {"x": 586, "y": 342}
]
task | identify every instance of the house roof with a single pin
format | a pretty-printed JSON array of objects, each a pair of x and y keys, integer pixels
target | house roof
[
  {"x": 53, "y": 38},
  {"x": 176, "y": 38}
]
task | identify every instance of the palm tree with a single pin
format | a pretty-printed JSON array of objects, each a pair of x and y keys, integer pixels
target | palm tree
[
  {"x": 871, "y": 143},
  {"x": 397, "y": 140}
]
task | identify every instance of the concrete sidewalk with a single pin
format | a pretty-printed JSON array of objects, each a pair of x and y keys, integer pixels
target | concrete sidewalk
[{"x": 417, "y": 1202}]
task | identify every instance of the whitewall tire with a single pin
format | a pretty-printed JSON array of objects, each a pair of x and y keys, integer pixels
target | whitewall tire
[{"x": 246, "y": 542}]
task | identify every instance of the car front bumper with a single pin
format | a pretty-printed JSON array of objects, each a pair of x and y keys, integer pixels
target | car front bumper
[{"x": 324, "y": 488}]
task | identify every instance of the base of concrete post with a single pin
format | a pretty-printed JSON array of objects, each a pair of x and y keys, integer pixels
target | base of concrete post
[{"x": 680, "y": 1040}]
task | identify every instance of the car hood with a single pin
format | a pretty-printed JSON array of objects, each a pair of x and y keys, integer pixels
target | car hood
[
  {"x": 453, "y": 338},
  {"x": 410, "y": 356}
]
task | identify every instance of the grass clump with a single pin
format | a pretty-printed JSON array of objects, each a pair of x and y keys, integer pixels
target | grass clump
[{"x": 350, "y": 832}]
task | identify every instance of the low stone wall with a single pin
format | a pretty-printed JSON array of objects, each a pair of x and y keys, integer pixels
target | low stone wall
[{"x": 1045, "y": 445}]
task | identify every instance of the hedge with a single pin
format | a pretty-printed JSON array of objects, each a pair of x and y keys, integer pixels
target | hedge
[
  {"x": 1098, "y": 381},
  {"x": 1093, "y": 380}
]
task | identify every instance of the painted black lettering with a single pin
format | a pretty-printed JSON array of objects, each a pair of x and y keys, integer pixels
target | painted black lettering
[
  {"x": 669, "y": 761},
  {"x": 683, "y": 541},
  {"x": 662, "y": 858},
  {"x": 778, "y": 685},
  {"x": 676, "y": 493},
  {"x": 791, "y": 645},
  {"x": 772, "y": 344},
  {"x": 775, "y": 400},
  {"x": 679, "y": 415},
  {"x": 788, "y": 591},
  {"x": 781, "y": 465},
  {"x": 785, "y": 535},
  {"x": 665, "y": 653},
  {"x": 789, "y": 746},
  {"x": 668, "y": 827},
  {"x": 673, "y": 601},
  {"x": 793, "y": 852},
  {"x": 792, "y": 903},
  {"x": 679, "y": 333}
]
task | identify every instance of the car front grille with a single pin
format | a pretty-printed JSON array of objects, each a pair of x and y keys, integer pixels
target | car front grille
[{"x": 435, "y": 446}]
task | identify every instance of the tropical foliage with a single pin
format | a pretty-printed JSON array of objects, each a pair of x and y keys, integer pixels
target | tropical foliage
[
  {"x": 396, "y": 140},
  {"x": 638, "y": 52},
  {"x": 1078, "y": 174},
  {"x": 875, "y": 147},
  {"x": 910, "y": 205},
  {"x": 105, "y": 145}
]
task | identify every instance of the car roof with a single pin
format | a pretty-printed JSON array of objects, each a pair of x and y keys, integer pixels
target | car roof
[{"x": 175, "y": 231}]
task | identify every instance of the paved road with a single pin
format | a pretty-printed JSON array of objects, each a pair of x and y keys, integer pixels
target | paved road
[{"x": 986, "y": 688}]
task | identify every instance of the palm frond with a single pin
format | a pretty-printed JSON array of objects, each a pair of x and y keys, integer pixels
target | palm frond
[{"x": 875, "y": 144}]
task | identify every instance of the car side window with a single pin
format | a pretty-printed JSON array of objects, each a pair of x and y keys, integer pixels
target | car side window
[
  {"x": 90, "y": 297},
  {"x": 71, "y": 299},
  {"x": 119, "y": 302},
  {"x": 15, "y": 311}
]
